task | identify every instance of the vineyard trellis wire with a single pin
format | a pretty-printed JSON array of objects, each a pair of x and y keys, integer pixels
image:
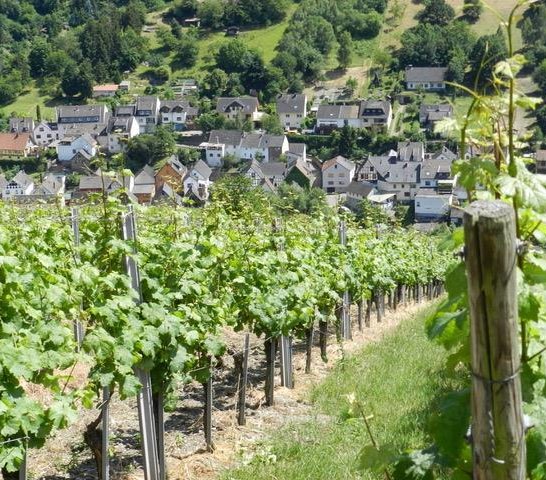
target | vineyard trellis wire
[{"x": 199, "y": 272}]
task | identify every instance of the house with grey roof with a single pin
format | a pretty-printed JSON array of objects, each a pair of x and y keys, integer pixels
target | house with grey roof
[
  {"x": 401, "y": 178},
  {"x": 21, "y": 184},
  {"x": 177, "y": 113},
  {"x": 337, "y": 174},
  {"x": 147, "y": 113},
  {"x": 275, "y": 172},
  {"x": 221, "y": 143},
  {"x": 430, "y": 114},
  {"x": 331, "y": 117},
  {"x": 238, "y": 108},
  {"x": 86, "y": 114},
  {"x": 425, "y": 78},
  {"x": 432, "y": 206},
  {"x": 262, "y": 146},
  {"x": 45, "y": 133},
  {"x": 375, "y": 114},
  {"x": 68, "y": 147},
  {"x": 21, "y": 125},
  {"x": 198, "y": 181},
  {"x": 358, "y": 191},
  {"x": 411, "y": 151},
  {"x": 119, "y": 131},
  {"x": 291, "y": 109}
]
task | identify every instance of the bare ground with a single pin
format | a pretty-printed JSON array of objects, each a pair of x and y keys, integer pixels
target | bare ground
[{"x": 65, "y": 456}]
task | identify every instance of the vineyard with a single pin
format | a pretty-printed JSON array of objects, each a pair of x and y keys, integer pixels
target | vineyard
[{"x": 141, "y": 298}]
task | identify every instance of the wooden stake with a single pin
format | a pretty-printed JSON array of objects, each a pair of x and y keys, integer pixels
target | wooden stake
[
  {"x": 498, "y": 432},
  {"x": 309, "y": 348},
  {"x": 270, "y": 346},
  {"x": 243, "y": 378}
]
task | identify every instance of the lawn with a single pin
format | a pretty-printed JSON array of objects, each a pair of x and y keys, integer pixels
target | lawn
[
  {"x": 398, "y": 380},
  {"x": 25, "y": 104}
]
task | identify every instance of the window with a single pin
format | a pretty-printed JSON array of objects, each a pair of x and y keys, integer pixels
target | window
[
  {"x": 178, "y": 119},
  {"x": 406, "y": 194},
  {"x": 427, "y": 183},
  {"x": 48, "y": 135},
  {"x": 38, "y": 136},
  {"x": 402, "y": 186},
  {"x": 330, "y": 175},
  {"x": 417, "y": 204},
  {"x": 371, "y": 169},
  {"x": 394, "y": 186},
  {"x": 287, "y": 115},
  {"x": 330, "y": 183},
  {"x": 165, "y": 119},
  {"x": 211, "y": 154},
  {"x": 340, "y": 174},
  {"x": 41, "y": 129}
]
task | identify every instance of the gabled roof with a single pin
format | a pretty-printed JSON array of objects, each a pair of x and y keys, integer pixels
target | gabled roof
[
  {"x": 71, "y": 111},
  {"x": 434, "y": 167},
  {"x": 380, "y": 163},
  {"x": 360, "y": 188},
  {"x": 22, "y": 179},
  {"x": 340, "y": 161},
  {"x": 120, "y": 124},
  {"x": 374, "y": 107},
  {"x": 425, "y": 74},
  {"x": 146, "y": 176},
  {"x": 411, "y": 151},
  {"x": 177, "y": 106},
  {"x": 262, "y": 140},
  {"x": 147, "y": 102},
  {"x": 273, "y": 169},
  {"x": 203, "y": 169},
  {"x": 291, "y": 103},
  {"x": 247, "y": 104},
  {"x": 124, "y": 110},
  {"x": 445, "y": 152},
  {"x": 107, "y": 87},
  {"x": 14, "y": 141},
  {"x": 94, "y": 182},
  {"x": 403, "y": 172},
  {"x": 297, "y": 148},
  {"x": 21, "y": 124},
  {"x": 226, "y": 137},
  {"x": 337, "y": 112}
]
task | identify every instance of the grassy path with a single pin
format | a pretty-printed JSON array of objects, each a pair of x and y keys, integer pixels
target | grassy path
[{"x": 397, "y": 379}]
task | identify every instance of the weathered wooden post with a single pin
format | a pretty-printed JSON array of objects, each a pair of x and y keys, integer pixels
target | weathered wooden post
[{"x": 498, "y": 431}]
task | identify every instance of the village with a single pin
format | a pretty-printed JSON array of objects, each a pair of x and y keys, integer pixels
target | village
[{"x": 408, "y": 174}]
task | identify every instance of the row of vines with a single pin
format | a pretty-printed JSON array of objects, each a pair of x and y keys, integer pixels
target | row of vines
[{"x": 200, "y": 271}]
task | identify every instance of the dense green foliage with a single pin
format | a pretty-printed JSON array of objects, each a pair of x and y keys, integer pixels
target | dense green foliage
[{"x": 200, "y": 270}]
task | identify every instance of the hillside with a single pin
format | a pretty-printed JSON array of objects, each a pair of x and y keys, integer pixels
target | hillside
[{"x": 399, "y": 16}]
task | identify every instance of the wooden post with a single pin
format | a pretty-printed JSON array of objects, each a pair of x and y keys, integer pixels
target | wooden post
[
  {"x": 207, "y": 414},
  {"x": 243, "y": 378},
  {"x": 344, "y": 310},
  {"x": 270, "y": 346},
  {"x": 323, "y": 338},
  {"x": 309, "y": 334},
  {"x": 105, "y": 447},
  {"x": 360, "y": 314},
  {"x": 368, "y": 317},
  {"x": 498, "y": 432}
]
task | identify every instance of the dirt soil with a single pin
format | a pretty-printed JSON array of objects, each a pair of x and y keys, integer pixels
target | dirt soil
[{"x": 65, "y": 456}]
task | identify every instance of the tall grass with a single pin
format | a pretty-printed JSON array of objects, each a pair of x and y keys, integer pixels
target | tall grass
[{"x": 397, "y": 379}]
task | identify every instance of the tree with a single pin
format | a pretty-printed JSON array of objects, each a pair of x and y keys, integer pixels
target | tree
[
  {"x": 437, "y": 12},
  {"x": 472, "y": 10},
  {"x": 456, "y": 66},
  {"x": 77, "y": 81},
  {"x": 364, "y": 25},
  {"x": 271, "y": 124},
  {"x": 370, "y": 215},
  {"x": 345, "y": 50},
  {"x": 488, "y": 51},
  {"x": 293, "y": 197},
  {"x": 211, "y": 13},
  {"x": 149, "y": 148},
  {"x": 346, "y": 140},
  {"x": 539, "y": 76},
  {"x": 187, "y": 51},
  {"x": 215, "y": 83},
  {"x": 210, "y": 121},
  {"x": 351, "y": 85},
  {"x": 232, "y": 56},
  {"x": 37, "y": 57}
]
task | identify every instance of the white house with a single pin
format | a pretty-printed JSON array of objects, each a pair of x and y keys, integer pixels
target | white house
[
  {"x": 262, "y": 146},
  {"x": 337, "y": 174},
  {"x": 330, "y": 117},
  {"x": 45, "y": 133},
  {"x": 197, "y": 183},
  {"x": 69, "y": 146},
  {"x": 176, "y": 113},
  {"x": 220, "y": 144},
  {"x": 291, "y": 110},
  {"x": 375, "y": 114},
  {"x": 426, "y": 78},
  {"x": 238, "y": 108},
  {"x": 120, "y": 130},
  {"x": 20, "y": 184},
  {"x": 431, "y": 205},
  {"x": 147, "y": 113},
  {"x": 358, "y": 191}
]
